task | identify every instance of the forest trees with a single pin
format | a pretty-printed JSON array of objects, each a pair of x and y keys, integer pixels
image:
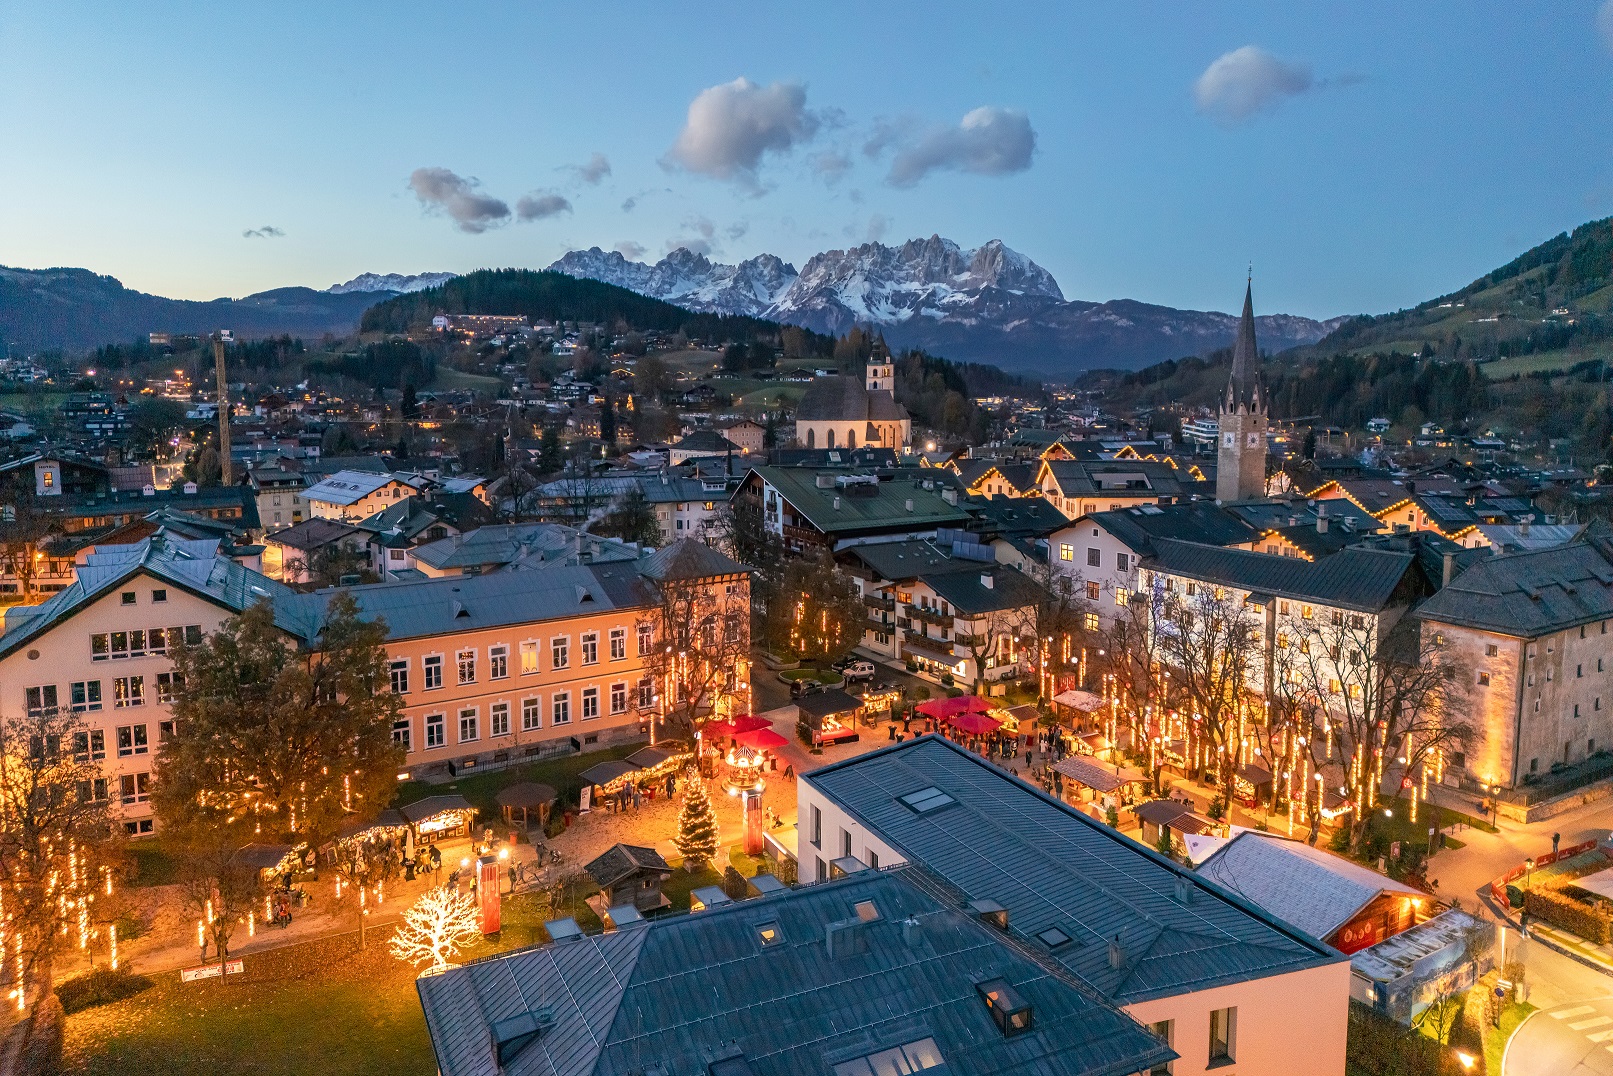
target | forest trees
[
  {"x": 817, "y": 613},
  {"x": 275, "y": 742}
]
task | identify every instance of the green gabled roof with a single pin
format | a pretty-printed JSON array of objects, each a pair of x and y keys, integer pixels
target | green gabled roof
[{"x": 859, "y": 512}]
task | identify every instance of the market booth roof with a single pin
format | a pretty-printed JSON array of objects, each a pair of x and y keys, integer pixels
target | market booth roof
[
  {"x": 603, "y": 773},
  {"x": 431, "y": 806},
  {"x": 975, "y": 724},
  {"x": 1099, "y": 778},
  {"x": 647, "y": 758},
  {"x": 1075, "y": 698},
  {"x": 526, "y": 794},
  {"x": 824, "y": 703},
  {"x": 963, "y": 704},
  {"x": 263, "y": 857},
  {"x": 733, "y": 726},
  {"x": 354, "y": 826},
  {"x": 761, "y": 739}
]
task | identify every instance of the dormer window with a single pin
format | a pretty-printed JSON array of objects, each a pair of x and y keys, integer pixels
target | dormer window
[{"x": 1011, "y": 1012}]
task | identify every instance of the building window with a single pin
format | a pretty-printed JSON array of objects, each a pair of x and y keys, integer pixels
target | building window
[
  {"x": 1484, "y": 679},
  {"x": 1094, "y": 557},
  {"x": 817, "y": 827},
  {"x": 1122, "y": 563},
  {"x": 467, "y": 725},
  {"x": 618, "y": 698},
  {"x": 498, "y": 662},
  {"x": 590, "y": 703},
  {"x": 86, "y": 695},
  {"x": 434, "y": 730},
  {"x": 128, "y": 597},
  {"x": 646, "y": 693},
  {"x": 590, "y": 648},
  {"x": 618, "y": 644},
  {"x": 159, "y": 596},
  {"x": 1223, "y": 1029},
  {"x": 1491, "y": 650},
  {"x": 1122, "y": 596},
  {"x": 41, "y": 700},
  {"x": 1162, "y": 1031},
  {"x": 1092, "y": 621},
  {"x": 560, "y": 652},
  {"x": 498, "y": 719},
  {"x": 466, "y": 660},
  {"x": 132, "y": 740},
  {"x": 646, "y": 639},
  {"x": 169, "y": 684},
  {"x": 560, "y": 713},
  {"x": 529, "y": 658},
  {"x": 129, "y": 691},
  {"x": 1067, "y": 552},
  {"x": 134, "y": 787},
  {"x": 531, "y": 714},
  {"x": 401, "y": 733},
  {"x": 95, "y": 790},
  {"x": 89, "y": 746},
  {"x": 400, "y": 677},
  {"x": 433, "y": 669},
  {"x": 1094, "y": 591}
]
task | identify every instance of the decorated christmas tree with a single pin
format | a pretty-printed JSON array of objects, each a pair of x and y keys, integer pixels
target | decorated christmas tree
[{"x": 697, "y": 825}]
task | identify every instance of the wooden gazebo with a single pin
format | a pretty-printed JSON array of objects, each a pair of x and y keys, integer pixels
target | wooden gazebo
[{"x": 526, "y": 802}]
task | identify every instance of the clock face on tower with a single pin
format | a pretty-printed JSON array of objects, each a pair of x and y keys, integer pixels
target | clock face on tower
[
  {"x": 1254, "y": 439},
  {"x": 1231, "y": 440}
]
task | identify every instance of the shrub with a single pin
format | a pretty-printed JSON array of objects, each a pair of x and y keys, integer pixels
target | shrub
[
  {"x": 100, "y": 987},
  {"x": 734, "y": 883},
  {"x": 1589, "y": 921},
  {"x": 130, "y": 926}
]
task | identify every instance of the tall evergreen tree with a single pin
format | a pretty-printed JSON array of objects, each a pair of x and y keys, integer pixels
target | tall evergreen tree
[{"x": 697, "y": 825}]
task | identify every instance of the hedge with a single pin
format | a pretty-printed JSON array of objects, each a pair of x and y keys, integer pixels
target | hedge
[{"x": 1589, "y": 921}]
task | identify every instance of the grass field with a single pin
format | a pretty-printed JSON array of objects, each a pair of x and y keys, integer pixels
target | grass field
[
  {"x": 449, "y": 378},
  {"x": 32, "y": 403}
]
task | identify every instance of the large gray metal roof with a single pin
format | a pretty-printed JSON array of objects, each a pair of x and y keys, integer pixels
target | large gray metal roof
[
  {"x": 1051, "y": 866},
  {"x": 1533, "y": 593},
  {"x": 1358, "y": 577},
  {"x": 675, "y": 994}
]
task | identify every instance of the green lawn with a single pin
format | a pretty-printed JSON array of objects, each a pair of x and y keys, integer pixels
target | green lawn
[
  {"x": 449, "y": 378},
  {"x": 480, "y": 788},
  {"x": 1495, "y": 1040}
]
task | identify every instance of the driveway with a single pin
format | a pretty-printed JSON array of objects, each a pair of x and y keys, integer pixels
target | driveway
[{"x": 1467, "y": 872}]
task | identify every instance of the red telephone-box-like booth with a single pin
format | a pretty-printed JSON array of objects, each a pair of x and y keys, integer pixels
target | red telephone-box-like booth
[{"x": 487, "y": 893}]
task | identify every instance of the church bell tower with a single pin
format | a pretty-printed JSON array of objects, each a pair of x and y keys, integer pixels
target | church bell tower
[{"x": 1240, "y": 469}]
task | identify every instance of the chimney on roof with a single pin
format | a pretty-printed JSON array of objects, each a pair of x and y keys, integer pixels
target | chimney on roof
[
  {"x": 1448, "y": 571},
  {"x": 912, "y": 932},
  {"x": 1117, "y": 954},
  {"x": 910, "y": 504},
  {"x": 1523, "y": 525},
  {"x": 1184, "y": 890},
  {"x": 837, "y": 504},
  {"x": 1321, "y": 523}
]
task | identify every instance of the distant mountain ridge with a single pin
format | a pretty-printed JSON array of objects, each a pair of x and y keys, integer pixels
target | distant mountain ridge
[
  {"x": 77, "y": 310},
  {"x": 989, "y": 304},
  {"x": 396, "y": 283}
]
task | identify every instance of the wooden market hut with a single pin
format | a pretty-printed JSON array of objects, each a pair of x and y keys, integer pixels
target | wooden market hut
[
  {"x": 529, "y": 800},
  {"x": 1097, "y": 779},
  {"x": 631, "y": 874},
  {"x": 268, "y": 860},
  {"x": 436, "y": 818},
  {"x": 1169, "y": 817},
  {"x": 826, "y": 717}
]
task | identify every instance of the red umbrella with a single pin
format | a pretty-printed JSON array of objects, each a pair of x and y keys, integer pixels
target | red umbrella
[
  {"x": 973, "y": 723},
  {"x": 733, "y": 726},
  {"x": 944, "y": 708},
  {"x": 761, "y": 739}
]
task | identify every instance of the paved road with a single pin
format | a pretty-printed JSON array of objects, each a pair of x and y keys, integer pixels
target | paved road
[
  {"x": 1467, "y": 872},
  {"x": 1572, "y": 1034}
]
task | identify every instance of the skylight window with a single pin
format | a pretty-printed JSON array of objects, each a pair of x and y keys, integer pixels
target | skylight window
[
  {"x": 866, "y": 910},
  {"x": 926, "y": 800},
  {"x": 768, "y": 934},
  {"x": 907, "y": 1058},
  {"x": 1053, "y": 938}
]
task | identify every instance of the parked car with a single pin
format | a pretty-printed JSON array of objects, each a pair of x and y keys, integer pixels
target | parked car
[
  {"x": 803, "y": 687},
  {"x": 858, "y": 670}
]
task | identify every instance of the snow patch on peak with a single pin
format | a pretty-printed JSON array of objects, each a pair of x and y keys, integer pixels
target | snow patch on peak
[{"x": 397, "y": 282}]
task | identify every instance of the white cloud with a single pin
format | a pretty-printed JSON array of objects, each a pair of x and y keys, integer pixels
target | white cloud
[
  {"x": 730, "y": 127},
  {"x": 630, "y": 250},
  {"x": 692, "y": 243},
  {"x": 831, "y": 165},
  {"x": 538, "y": 206},
  {"x": 472, "y": 211},
  {"x": 597, "y": 168},
  {"x": 1247, "y": 81},
  {"x": 703, "y": 225},
  {"x": 1604, "y": 23},
  {"x": 737, "y": 230},
  {"x": 988, "y": 142},
  {"x": 878, "y": 225},
  {"x": 268, "y": 231}
]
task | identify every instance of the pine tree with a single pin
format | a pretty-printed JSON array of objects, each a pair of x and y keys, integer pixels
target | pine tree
[{"x": 697, "y": 825}]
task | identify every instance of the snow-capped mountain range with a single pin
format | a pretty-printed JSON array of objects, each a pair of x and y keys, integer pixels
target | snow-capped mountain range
[
  {"x": 394, "y": 282},
  {"x": 990, "y": 304}
]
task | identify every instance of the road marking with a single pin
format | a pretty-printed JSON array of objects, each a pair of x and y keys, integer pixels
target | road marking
[
  {"x": 1600, "y": 1036},
  {"x": 1580, "y": 1011},
  {"x": 1581, "y": 1025}
]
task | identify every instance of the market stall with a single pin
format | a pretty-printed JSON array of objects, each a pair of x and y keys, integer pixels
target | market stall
[
  {"x": 828, "y": 717},
  {"x": 271, "y": 861},
  {"x": 526, "y": 803},
  {"x": 1019, "y": 720},
  {"x": 1088, "y": 780},
  {"x": 1251, "y": 785},
  {"x": 973, "y": 724},
  {"x": 941, "y": 709},
  {"x": 438, "y": 818}
]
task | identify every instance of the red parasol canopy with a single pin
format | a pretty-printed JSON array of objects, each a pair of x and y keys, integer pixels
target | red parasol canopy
[
  {"x": 963, "y": 704},
  {"x": 733, "y": 726},
  {"x": 761, "y": 739},
  {"x": 973, "y": 723}
]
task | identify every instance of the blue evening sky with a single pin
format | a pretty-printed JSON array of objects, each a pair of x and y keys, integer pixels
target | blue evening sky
[{"x": 1363, "y": 156}]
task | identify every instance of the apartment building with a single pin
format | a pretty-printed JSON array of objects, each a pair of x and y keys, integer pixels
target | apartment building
[
  {"x": 1221, "y": 982},
  {"x": 1529, "y": 630},
  {"x": 353, "y": 495},
  {"x": 1081, "y": 487},
  {"x": 100, "y": 648}
]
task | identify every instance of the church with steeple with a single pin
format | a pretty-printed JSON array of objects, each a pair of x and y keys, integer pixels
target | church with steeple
[
  {"x": 1240, "y": 468},
  {"x": 850, "y": 412}
]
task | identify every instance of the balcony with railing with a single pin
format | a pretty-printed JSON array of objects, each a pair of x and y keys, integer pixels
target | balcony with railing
[
  {"x": 880, "y": 601},
  {"x": 929, "y": 616},
  {"x": 940, "y": 648}
]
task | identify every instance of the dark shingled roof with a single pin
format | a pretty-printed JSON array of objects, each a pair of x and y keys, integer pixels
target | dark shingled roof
[
  {"x": 682, "y": 993},
  {"x": 688, "y": 559},
  {"x": 1010, "y": 589},
  {"x": 1050, "y": 865},
  {"x": 1354, "y": 578},
  {"x": 422, "y": 809},
  {"x": 1531, "y": 593},
  {"x": 1195, "y": 521},
  {"x": 621, "y": 861},
  {"x": 842, "y": 398}
]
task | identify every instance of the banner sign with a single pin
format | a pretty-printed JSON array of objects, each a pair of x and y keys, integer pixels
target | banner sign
[{"x": 209, "y": 971}]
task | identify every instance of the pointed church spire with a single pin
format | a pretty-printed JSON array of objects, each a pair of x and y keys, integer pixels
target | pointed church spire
[{"x": 1245, "y": 354}]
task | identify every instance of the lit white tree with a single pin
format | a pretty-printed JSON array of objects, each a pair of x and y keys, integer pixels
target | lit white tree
[{"x": 435, "y": 928}]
